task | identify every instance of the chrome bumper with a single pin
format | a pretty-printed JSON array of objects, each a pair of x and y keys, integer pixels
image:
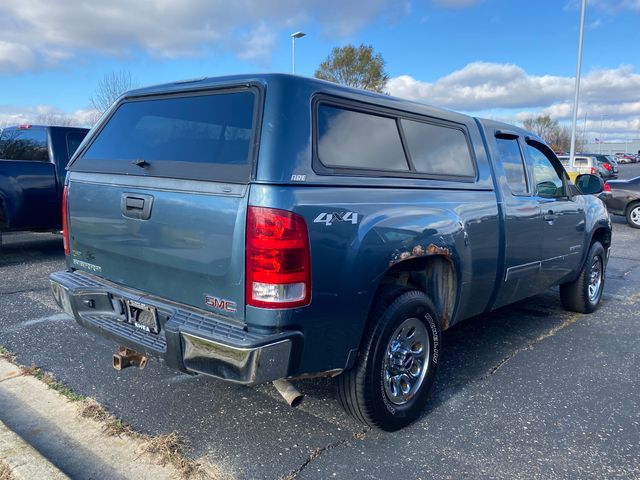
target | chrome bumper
[{"x": 189, "y": 340}]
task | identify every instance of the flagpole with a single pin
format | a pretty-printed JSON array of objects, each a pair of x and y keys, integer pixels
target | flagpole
[{"x": 572, "y": 153}]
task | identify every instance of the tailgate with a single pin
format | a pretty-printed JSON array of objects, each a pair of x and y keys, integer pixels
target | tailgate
[
  {"x": 190, "y": 249},
  {"x": 157, "y": 199}
]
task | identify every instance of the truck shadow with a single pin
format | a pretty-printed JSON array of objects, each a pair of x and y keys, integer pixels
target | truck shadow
[
  {"x": 476, "y": 348},
  {"x": 27, "y": 247}
]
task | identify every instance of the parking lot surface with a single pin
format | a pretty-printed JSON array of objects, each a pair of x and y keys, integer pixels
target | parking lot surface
[{"x": 528, "y": 391}]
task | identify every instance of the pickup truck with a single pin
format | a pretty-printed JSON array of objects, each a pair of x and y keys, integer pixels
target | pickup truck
[
  {"x": 32, "y": 172},
  {"x": 267, "y": 227}
]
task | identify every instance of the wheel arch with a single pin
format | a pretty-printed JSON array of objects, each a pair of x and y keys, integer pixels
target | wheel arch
[
  {"x": 602, "y": 235},
  {"x": 632, "y": 203},
  {"x": 433, "y": 274}
]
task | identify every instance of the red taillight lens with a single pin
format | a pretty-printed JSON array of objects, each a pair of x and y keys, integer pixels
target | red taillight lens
[
  {"x": 607, "y": 187},
  {"x": 607, "y": 166},
  {"x": 278, "y": 259},
  {"x": 65, "y": 224},
  {"x": 593, "y": 171}
]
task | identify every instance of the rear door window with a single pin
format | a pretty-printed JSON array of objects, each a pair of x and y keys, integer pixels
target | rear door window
[
  {"x": 206, "y": 137},
  {"x": 24, "y": 144}
]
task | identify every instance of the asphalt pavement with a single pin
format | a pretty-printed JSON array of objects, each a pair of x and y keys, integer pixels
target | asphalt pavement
[{"x": 528, "y": 391}]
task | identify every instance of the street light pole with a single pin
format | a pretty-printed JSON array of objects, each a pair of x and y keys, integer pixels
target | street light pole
[
  {"x": 576, "y": 96},
  {"x": 293, "y": 49},
  {"x": 601, "y": 131}
]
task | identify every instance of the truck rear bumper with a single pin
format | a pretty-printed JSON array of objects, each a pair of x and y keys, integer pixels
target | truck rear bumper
[{"x": 188, "y": 340}]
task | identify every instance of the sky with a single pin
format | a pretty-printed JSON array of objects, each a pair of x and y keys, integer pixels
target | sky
[{"x": 503, "y": 59}]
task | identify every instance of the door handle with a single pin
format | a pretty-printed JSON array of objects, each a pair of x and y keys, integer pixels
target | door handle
[
  {"x": 134, "y": 202},
  {"x": 550, "y": 217},
  {"x": 136, "y": 205}
]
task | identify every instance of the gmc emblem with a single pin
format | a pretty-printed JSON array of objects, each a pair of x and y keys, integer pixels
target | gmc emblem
[{"x": 220, "y": 304}]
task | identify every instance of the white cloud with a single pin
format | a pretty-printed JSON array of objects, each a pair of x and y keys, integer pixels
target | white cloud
[
  {"x": 484, "y": 88},
  {"x": 480, "y": 86},
  {"x": 15, "y": 57},
  {"x": 257, "y": 44},
  {"x": 455, "y": 3},
  {"x": 614, "y": 6},
  {"x": 58, "y": 30},
  {"x": 45, "y": 114}
]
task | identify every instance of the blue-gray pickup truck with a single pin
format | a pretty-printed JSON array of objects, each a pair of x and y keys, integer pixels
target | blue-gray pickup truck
[
  {"x": 32, "y": 172},
  {"x": 267, "y": 227}
]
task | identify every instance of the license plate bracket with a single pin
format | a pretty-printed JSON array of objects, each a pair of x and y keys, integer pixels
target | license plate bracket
[{"x": 142, "y": 316}]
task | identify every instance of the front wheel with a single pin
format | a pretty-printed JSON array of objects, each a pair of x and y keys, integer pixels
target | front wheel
[
  {"x": 633, "y": 215},
  {"x": 389, "y": 385},
  {"x": 583, "y": 295}
]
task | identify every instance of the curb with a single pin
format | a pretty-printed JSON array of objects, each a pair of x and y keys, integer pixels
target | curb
[
  {"x": 25, "y": 462},
  {"x": 49, "y": 436}
]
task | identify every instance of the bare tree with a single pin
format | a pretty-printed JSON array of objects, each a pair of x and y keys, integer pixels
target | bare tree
[
  {"x": 557, "y": 136},
  {"x": 356, "y": 67},
  {"x": 110, "y": 88},
  {"x": 59, "y": 119}
]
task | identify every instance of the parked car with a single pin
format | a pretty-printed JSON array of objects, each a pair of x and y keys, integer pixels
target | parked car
[
  {"x": 263, "y": 227},
  {"x": 626, "y": 158},
  {"x": 623, "y": 198},
  {"x": 610, "y": 167},
  {"x": 585, "y": 164},
  {"x": 32, "y": 171},
  {"x": 614, "y": 161}
]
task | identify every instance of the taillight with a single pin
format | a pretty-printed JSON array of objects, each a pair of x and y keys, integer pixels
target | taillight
[
  {"x": 607, "y": 187},
  {"x": 278, "y": 259},
  {"x": 607, "y": 166},
  {"x": 65, "y": 224},
  {"x": 593, "y": 171}
]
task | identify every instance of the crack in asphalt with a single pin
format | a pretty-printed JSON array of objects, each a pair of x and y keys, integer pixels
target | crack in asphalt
[
  {"x": 313, "y": 455},
  {"x": 26, "y": 290},
  {"x": 318, "y": 452},
  {"x": 529, "y": 346}
]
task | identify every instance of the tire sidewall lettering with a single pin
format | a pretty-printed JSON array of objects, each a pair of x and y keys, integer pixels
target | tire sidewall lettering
[{"x": 435, "y": 340}]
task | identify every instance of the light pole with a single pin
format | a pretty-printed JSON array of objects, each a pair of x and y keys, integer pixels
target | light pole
[
  {"x": 293, "y": 49},
  {"x": 601, "y": 130},
  {"x": 572, "y": 153}
]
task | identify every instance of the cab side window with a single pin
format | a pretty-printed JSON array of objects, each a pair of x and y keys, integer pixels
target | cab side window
[
  {"x": 547, "y": 180},
  {"x": 511, "y": 159}
]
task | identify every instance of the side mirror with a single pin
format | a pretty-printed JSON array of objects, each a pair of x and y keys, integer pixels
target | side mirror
[{"x": 589, "y": 184}]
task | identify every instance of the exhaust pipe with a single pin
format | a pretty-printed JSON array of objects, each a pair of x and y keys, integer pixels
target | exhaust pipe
[
  {"x": 125, "y": 357},
  {"x": 290, "y": 393}
]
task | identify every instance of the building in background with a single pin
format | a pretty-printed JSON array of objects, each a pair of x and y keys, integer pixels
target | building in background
[{"x": 631, "y": 146}]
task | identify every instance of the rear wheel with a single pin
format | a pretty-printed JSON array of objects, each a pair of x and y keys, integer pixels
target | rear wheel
[
  {"x": 389, "y": 385},
  {"x": 633, "y": 215},
  {"x": 585, "y": 292}
]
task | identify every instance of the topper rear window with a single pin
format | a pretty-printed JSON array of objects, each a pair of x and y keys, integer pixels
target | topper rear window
[{"x": 198, "y": 137}]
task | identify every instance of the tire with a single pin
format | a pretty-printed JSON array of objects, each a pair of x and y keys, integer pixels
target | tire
[
  {"x": 389, "y": 385},
  {"x": 584, "y": 294},
  {"x": 633, "y": 215}
]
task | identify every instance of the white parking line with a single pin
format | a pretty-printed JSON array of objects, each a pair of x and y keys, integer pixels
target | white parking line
[{"x": 58, "y": 317}]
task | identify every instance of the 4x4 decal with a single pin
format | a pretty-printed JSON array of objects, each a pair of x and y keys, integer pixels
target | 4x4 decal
[{"x": 329, "y": 218}]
